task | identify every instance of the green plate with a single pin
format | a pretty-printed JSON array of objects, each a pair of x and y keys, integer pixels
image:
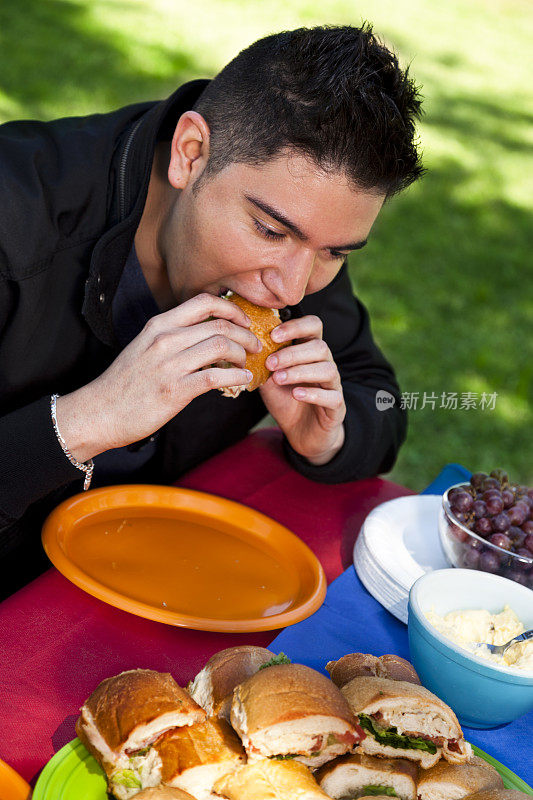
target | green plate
[{"x": 73, "y": 774}]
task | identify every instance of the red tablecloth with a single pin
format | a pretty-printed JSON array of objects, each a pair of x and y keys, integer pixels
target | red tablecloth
[{"x": 57, "y": 643}]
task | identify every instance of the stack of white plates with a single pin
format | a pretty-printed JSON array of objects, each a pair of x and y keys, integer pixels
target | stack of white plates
[{"x": 399, "y": 542}]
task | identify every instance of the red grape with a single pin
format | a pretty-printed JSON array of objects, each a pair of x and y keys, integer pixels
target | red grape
[
  {"x": 527, "y": 526},
  {"x": 471, "y": 558},
  {"x": 479, "y": 509},
  {"x": 500, "y": 475},
  {"x": 462, "y": 502},
  {"x": 500, "y": 522},
  {"x": 477, "y": 479},
  {"x": 483, "y": 526},
  {"x": 490, "y": 483},
  {"x": 508, "y": 498},
  {"x": 500, "y": 540},
  {"x": 516, "y": 535},
  {"x": 489, "y": 561},
  {"x": 517, "y": 514},
  {"x": 528, "y": 542},
  {"x": 494, "y": 505}
]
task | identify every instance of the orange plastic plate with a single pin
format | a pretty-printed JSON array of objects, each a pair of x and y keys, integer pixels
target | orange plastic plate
[
  {"x": 12, "y": 786},
  {"x": 185, "y": 558}
]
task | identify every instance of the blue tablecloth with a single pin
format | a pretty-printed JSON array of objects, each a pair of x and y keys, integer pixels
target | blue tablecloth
[{"x": 351, "y": 621}]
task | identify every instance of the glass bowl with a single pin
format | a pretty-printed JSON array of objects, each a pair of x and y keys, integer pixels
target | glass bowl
[{"x": 466, "y": 549}]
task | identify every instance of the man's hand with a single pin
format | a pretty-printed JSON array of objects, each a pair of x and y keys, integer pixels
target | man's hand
[
  {"x": 165, "y": 367},
  {"x": 304, "y": 393}
]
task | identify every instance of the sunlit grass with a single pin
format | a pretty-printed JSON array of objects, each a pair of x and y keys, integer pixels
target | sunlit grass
[{"x": 447, "y": 275}]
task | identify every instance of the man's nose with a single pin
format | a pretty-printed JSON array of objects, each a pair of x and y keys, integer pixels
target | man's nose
[{"x": 293, "y": 275}]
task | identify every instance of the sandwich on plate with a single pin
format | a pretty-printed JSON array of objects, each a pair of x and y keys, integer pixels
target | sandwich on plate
[
  {"x": 263, "y": 320},
  {"x": 213, "y": 687},
  {"x": 122, "y": 720},
  {"x": 194, "y": 757},
  {"x": 447, "y": 781},
  {"x": 402, "y": 719},
  {"x": 292, "y": 711},
  {"x": 270, "y": 779},
  {"x": 359, "y": 775}
]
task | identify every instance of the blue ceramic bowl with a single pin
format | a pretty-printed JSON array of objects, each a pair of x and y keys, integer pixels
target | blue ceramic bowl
[{"x": 482, "y": 695}]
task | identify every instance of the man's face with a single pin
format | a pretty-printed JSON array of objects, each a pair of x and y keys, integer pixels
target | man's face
[{"x": 272, "y": 233}]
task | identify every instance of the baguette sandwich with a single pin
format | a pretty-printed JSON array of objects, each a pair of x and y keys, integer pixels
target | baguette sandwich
[
  {"x": 359, "y": 775},
  {"x": 194, "y": 757},
  {"x": 292, "y": 711},
  {"x": 404, "y": 720},
  {"x": 447, "y": 781},
  {"x": 124, "y": 717},
  {"x": 213, "y": 687},
  {"x": 269, "y": 779},
  {"x": 264, "y": 320}
]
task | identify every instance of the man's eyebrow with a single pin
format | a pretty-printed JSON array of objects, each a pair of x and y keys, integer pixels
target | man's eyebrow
[{"x": 280, "y": 217}]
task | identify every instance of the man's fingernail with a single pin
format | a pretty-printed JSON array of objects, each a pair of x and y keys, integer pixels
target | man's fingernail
[
  {"x": 272, "y": 362},
  {"x": 247, "y": 318},
  {"x": 277, "y": 335},
  {"x": 249, "y": 375},
  {"x": 299, "y": 394},
  {"x": 259, "y": 345}
]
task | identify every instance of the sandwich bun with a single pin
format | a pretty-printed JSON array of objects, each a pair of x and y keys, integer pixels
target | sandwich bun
[
  {"x": 129, "y": 711},
  {"x": 194, "y": 758},
  {"x": 164, "y": 793},
  {"x": 264, "y": 320},
  {"x": 348, "y": 776},
  {"x": 213, "y": 687},
  {"x": 447, "y": 781},
  {"x": 270, "y": 779},
  {"x": 354, "y": 665},
  {"x": 290, "y": 709}
]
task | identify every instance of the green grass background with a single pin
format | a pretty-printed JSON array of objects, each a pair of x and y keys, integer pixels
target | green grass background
[{"x": 448, "y": 274}]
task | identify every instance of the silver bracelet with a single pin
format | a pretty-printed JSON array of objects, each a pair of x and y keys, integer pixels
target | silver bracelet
[{"x": 89, "y": 466}]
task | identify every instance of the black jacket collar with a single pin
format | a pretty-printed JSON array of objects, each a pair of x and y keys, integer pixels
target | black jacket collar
[{"x": 130, "y": 179}]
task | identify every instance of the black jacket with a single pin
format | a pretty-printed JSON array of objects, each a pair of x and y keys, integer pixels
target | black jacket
[{"x": 72, "y": 193}]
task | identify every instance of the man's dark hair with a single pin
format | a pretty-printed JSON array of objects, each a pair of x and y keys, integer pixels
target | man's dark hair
[{"x": 333, "y": 94}]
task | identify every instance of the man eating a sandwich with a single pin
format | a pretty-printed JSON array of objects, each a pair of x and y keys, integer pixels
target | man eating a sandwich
[{"x": 113, "y": 327}]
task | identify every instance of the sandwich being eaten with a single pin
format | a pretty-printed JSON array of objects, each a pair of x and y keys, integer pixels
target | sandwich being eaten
[
  {"x": 123, "y": 719},
  {"x": 359, "y": 775},
  {"x": 447, "y": 781},
  {"x": 402, "y": 719},
  {"x": 270, "y": 780},
  {"x": 194, "y": 757},
  {"x": 294, "y": 712},
  {"x": 264, "y": 320},
  {"x": 213, "y": 686}
]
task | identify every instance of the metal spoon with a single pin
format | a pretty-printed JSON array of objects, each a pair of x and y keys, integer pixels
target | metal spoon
[{"x": 500, "y": 649}]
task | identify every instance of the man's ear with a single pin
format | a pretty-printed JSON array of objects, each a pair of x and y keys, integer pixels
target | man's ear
[{"x": 189, "y": 150}]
